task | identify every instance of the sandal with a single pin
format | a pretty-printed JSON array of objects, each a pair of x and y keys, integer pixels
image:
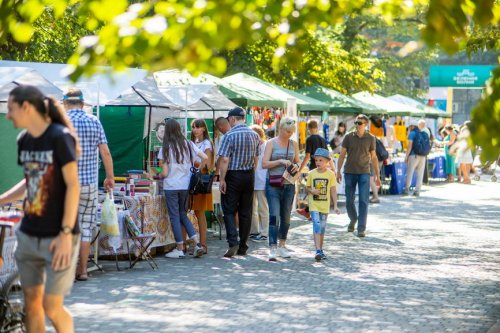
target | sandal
[
  {"x": 82, "y": 277},
  {"x": 205, "y": 249},
  {"x": 374, "y": 200}
]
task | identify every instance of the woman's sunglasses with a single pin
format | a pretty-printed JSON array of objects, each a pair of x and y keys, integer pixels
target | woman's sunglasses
[{"x": 358, "y": 122}]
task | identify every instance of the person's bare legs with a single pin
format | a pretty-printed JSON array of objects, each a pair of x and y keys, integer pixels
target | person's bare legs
[
  {"x": 374, "y": 189},
  {"x": 202, "y": 226},
  {"x": 58, "y": 314},
  {"x": 81, "y": 270},
  {"x": 465, "y": 172},
  {"x": 35, "y": 315}
]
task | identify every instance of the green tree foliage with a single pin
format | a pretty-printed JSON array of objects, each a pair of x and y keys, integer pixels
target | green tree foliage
[
  {"x": 323, "y": 62},
  {"x": 54, "y": 39}
]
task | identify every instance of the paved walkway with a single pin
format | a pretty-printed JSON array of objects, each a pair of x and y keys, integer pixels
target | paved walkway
[{"x": 428, "y": 264}]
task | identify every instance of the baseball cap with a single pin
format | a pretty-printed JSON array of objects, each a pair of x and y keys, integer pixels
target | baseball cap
[
  {"x": 322, "y": 152},
  {"x": 237, "y": 111}
]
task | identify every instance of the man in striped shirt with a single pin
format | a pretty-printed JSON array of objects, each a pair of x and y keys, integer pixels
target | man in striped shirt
[
  {"x": 239, "y": 154},
  {"x": 92, "y": 141}
]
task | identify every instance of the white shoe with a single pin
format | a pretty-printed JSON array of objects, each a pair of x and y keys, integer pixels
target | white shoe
[
  {"x": 272, "y": 254},
  {"x": 175, "y": 254},
  {"x": 283, "y": 252}
]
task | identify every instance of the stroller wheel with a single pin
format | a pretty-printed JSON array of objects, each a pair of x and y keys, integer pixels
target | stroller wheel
[
  {"x": 493, "y": 178},
  {"x": 476, "y": 178}
]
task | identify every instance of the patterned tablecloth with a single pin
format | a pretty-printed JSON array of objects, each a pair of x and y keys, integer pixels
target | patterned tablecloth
[
  {"x": 150, "y": 214},
  {"x": 9, "y": 263}
]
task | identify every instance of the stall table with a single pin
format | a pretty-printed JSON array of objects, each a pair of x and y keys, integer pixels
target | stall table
[
  {"x": 397, "y": 170},
  {"x": 150, "y": 214},
  {"x": 436, "y": 166}
]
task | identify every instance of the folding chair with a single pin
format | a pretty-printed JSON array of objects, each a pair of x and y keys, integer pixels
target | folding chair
[
  {"x": 141, "y": 240},
  {"x": 93, "y": 259}
]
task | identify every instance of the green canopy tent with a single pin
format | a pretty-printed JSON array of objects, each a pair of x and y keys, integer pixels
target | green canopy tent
[
  {"x": 131, "y": 120},
  {"x": 304, "y": 103},
  {"x": 10, "y": 78},
  {"x": 390, "y": 107},
  {"x": 128, "y": 121},
  {"x": 338, "y": 102},
  {"x": 424, "y": 110}
]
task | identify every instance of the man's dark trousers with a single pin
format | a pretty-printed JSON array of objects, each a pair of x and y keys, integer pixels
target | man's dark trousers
[{"x": 238, "y": 198}]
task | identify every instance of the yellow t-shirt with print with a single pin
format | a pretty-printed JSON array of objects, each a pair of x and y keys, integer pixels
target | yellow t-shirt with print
[{"x": 322, "y": 181}]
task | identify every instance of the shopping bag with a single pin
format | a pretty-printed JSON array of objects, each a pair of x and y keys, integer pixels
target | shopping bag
[{"x": 109, "y": 217}]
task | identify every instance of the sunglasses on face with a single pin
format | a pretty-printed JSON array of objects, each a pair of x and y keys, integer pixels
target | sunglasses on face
[
  {"x": 359, "y": 122},
  {"x": 196, "y": 126},
  {"x": 290, "y": 121}
]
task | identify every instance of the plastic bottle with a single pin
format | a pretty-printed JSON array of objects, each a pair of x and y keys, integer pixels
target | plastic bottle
[{"x": 132, "y": 188}]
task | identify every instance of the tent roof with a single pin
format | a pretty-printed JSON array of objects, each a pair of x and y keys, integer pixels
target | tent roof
[
  {"x": 425, "y": 111},
  {"x": 183, "y": 90},
  {"x": 250, "y": 83},
  {"x": 11, "y": 77},
  {"x": 97, "y": 89},
  {"x": 339, "y": 103},
  {"x": 143, "y": 93},
  {"x": 237, "y": 94},
  {"x": 390, "y": 107}
]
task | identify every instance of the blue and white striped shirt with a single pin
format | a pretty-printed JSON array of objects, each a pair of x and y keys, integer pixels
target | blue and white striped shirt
[
  {"x": 241, "y": 145},
  {"x": 91, "y": 135}
]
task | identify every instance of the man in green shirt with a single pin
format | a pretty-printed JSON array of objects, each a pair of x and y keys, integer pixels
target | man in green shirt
[{"x": 360, "y": 149}]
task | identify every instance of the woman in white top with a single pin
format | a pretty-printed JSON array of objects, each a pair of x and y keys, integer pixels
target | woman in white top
[
  {"x": 260, "y": 217},
  {"x": 175, "y": 159},
  {"x": 202, "y": 202}
]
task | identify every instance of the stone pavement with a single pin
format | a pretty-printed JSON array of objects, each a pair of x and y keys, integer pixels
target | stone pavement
[{"x": 428, "y": 264}]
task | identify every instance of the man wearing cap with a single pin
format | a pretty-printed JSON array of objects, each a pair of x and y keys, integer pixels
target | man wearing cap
[
  {"x": 360, "y": 149},
  {"x": 92, "y": 139},
  {"x": 239, "y": 153}
]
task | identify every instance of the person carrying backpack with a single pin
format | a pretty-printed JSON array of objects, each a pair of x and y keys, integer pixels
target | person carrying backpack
[{"x": 419, "y": 146}]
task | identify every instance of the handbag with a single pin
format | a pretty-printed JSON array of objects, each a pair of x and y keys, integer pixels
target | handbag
[
  {"x": 199, "y": 183},
  {"x": 278, "y": 180}
]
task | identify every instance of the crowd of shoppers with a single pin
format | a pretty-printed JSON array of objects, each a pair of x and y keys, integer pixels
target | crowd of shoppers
[{"x": 59, "y": 152}]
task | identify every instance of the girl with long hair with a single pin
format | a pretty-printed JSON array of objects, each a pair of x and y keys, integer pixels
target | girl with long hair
[
  {"x": 176, "y": 157},
  {"x": 202, "y": 202},
  {"x": 49, "y": 237}
]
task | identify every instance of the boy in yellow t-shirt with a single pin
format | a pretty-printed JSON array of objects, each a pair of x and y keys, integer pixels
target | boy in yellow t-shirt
[{"x": 321, "y": 185}]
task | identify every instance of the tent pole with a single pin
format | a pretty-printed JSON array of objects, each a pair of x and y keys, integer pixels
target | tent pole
[{"x": 148, "y": 137}]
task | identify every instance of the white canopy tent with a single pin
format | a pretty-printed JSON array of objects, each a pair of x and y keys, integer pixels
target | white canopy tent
[{"x": 97, "y": 89}]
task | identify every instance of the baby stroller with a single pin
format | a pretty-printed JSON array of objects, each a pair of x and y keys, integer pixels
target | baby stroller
[{"x": 488, "y": 168}]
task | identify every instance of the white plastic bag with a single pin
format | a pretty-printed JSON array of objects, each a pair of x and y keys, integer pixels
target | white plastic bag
[{"x": 109, "y": 217}]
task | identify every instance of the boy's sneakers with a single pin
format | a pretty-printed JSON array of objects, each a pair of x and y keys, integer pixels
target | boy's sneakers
[
  {"x": 283, "y": 252},
  {"x": 323, "y": 255},
  {"x": 175, "y": 254},
  {"x": 260, "y": 238},
  {"x": 318, "y": 255},
  {"x": 272, "y": 254}
]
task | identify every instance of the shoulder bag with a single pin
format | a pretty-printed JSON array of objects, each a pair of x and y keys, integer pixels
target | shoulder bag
[
  {"x": 278, "y": 180},
  {"x": 199, "y": 183}
]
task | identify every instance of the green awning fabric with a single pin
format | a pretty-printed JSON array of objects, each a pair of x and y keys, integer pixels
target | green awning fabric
[
  {"x": 390, "y": 107},
  {"x": 424, "y": 110},
  {"x": 250, "y": 83},
  {"x": 338, "y": 102},
  {"x": 11, "y": 172},
  {"x": 124, "y": 128}
]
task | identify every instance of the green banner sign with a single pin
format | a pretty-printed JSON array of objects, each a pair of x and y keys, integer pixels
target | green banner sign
[{"x": 459, "y": 76}]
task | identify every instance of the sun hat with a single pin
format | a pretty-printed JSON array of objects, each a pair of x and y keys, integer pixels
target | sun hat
[{"x": 322, "y": 152}]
